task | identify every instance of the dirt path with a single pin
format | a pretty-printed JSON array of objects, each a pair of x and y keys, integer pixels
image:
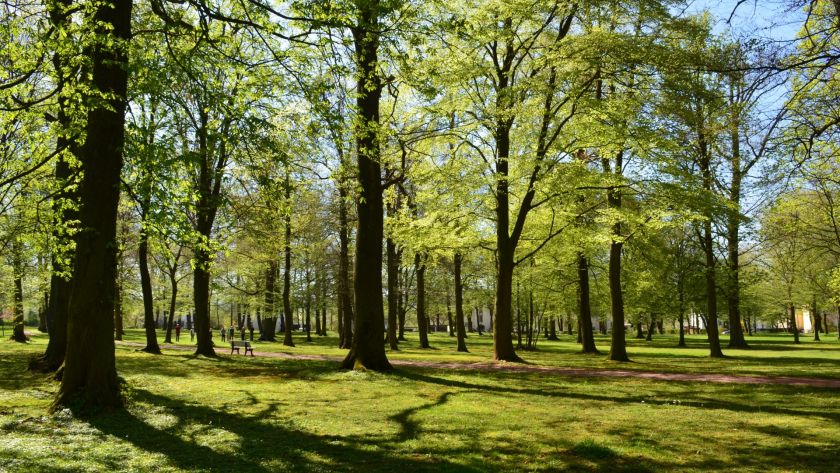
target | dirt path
[{"x": 574, "y": 372}]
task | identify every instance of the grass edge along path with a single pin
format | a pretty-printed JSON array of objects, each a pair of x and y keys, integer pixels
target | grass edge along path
[{"x": 571, "y": 372}]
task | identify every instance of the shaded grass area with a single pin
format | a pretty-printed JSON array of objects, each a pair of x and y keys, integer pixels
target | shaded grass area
[
  {"x": 768, "y": 355},
  {"x": 261, "y": 415}
]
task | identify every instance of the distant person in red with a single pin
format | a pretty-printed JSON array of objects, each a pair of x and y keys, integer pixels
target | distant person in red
[{"x": 177, "y": 331}]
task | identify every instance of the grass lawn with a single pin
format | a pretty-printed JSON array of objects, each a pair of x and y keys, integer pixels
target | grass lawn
[
  {"x": 770, "y": 354},
  {"x": 266, "y": 414}
]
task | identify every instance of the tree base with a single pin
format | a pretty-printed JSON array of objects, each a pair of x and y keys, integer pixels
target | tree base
[
  {"x": 510, "y": 358},
  {"x": 152, "y": 350},
  {"x": 42, "y": 364},
  {"x": 356, "y": 363},
  {"x": 207, "y": 353}
]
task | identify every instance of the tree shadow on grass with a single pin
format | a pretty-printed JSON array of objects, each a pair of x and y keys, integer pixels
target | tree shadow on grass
[
  {"x": 263, "y": 445},
  {"x": 689, "y": 397}
]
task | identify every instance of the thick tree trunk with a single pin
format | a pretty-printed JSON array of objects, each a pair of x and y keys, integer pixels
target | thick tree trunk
[
  {"x": 587, "y": 337},
  {"x": 146, "y": 287},
  {"x": 89, "y": 378},
  {"x": 367, "y": 350},
  {"x": 392, "y": 269},
  {"x": 268, "y": 332},
  {"x": 459, "y": 305},
  {"x": 422, "y": 321}
]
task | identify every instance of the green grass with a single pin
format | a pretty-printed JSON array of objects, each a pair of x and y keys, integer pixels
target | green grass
[
  {"x": 264, "y": 414},
  {"x": 769, "y": 355}
]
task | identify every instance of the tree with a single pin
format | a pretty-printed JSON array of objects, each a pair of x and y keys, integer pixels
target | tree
[{"x": 89, "y": 373}]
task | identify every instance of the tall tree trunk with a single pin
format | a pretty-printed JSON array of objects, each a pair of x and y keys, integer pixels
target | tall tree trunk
[
  {"x": 173, "y": 300},
  {"x": 733, "y": 225},
  {"x": 317, "y": 304},
  {"x": 146, "y": 287},
  {"x": 709, "y": 250},
  {"x": 449, "y": 314},
  {"x": 422, "y": 321},
  {"x": 307, "y": 307},
  {"x": 587, "y": 337},
  {"x": 817, "y": 320},
  {"x": 392, "y": 269},
  {"x": 681, "y": 316},
  {"x": 63, "y": 214},
  {"x": 42, "y": 314},
  {"x": 345, "y": 315},
  {"x": 618, "y": 344},
  {"x": 288, "y": 315},
  {"x": 18, "y": 333},
  {"x": 89, "y": 378},
  {"x": 459, "y": 305},
  {"x": 651, "y": 328},
  {"x": 793, "y": 325},
  {"x": 367, "y": 350},
  {"x": 402, "y": 303},
  {"x": 324, "y": 309},
  {"x": 268, "y": 333},
  {"x": 211, "y": 172}
]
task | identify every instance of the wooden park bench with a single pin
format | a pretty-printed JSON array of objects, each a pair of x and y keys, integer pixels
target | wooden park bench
[{"x": 237, "y": 344}]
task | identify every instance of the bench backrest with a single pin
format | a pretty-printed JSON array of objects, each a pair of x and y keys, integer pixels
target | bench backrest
[{"x": 239, "y": 343}]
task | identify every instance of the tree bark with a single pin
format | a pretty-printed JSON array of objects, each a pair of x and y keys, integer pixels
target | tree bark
[
  {"x": 459, "y": 305},
  {"x": 173, "y": 285},
  {"x": 392, "y": 269},
  {"x": 587, "y": 337},
  {"x": 89, "y": 378},
  {"x": 422, "y": 321},
  {"x": 651, "y": 328},
  {"x": 793, "y": 325},
  {"x": 146, "y": 287},
  {"x": 709, "y": 250},
  {"x": 367, "y": 350},
  {"x": 618, "y": 344},
  {"x": 288, "y": 316},
  {"x": 18, "y": 333}
]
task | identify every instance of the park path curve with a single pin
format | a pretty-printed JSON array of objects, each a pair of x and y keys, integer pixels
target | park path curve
[{"x": 560, "y": 371}]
